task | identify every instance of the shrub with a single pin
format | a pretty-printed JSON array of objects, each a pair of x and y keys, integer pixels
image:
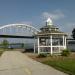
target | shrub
[
  {"x": 65, "y": 52},
  {"x": 42, "y": 55},
  {"x": 5, "y": 44}
]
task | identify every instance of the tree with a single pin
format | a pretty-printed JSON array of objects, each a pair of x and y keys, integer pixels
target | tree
[
  {"x": 5, "y": 44},
  {"x": 73, "y": 33}
]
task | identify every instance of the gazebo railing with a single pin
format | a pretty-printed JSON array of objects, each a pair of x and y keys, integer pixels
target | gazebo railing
[{"x": 47, "y": 49}]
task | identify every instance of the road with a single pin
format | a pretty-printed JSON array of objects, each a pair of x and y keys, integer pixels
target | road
[{"x": 17, "y": 63}]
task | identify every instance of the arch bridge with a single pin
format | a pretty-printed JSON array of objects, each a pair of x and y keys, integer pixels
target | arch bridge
[
  {"x": 24, "y": 32},
  {"x": 18, "y": 31}
]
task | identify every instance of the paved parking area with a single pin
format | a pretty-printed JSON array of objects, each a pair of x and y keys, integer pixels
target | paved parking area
[{"x": 17, "y": 63}]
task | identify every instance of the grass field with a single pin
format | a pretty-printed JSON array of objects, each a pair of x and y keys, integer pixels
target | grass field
[{"x": 65, "y": 64}]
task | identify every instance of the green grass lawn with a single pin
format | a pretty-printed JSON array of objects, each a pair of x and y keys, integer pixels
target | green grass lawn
[
  {"x": 62, "y": 63},
  {"x": 66, "y": 65}
]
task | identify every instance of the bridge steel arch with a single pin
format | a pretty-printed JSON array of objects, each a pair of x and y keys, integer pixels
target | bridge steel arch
[{"x": 26, "y": 25}]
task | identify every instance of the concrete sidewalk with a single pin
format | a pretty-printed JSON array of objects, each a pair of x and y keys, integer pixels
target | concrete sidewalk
[{"x": 16, "y": 63}]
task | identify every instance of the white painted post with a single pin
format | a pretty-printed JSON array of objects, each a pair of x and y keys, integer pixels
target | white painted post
[
  {"x": 65, "y": 42},
  {"x": 51, "y": 44},
  {"x": 59, "y": 45},
  {"x": 34, "y": 44},
  {"x": 38, "y": 46}
]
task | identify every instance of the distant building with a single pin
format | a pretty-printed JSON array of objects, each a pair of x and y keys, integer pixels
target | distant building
[{"x": 71, "y": 44}]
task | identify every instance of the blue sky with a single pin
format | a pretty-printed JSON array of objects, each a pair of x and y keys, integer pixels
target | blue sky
[{"x": 35, "y": 12}]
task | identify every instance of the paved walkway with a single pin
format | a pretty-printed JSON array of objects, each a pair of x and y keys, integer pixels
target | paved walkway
[{"x": 16, "y": 63}]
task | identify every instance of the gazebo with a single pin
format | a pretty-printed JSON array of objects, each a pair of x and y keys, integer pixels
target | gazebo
[{"x": 50, "y": 39}]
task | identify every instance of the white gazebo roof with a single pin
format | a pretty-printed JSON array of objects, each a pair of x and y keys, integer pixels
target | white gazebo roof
[
  {"x": 50, "y": 29},
  {"x": 49, "y": 22}
]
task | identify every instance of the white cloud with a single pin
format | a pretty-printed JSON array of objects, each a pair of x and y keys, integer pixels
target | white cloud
[{"x": 55, "y": 15}]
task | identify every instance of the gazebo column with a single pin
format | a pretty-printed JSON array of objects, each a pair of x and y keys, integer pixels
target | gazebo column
[
  {"x": 59, "y": 45},
  {"x": 51, "y": 44},
  {"x": 65, "y": 42},
  {"x": 34, "y": 44},
  {"x": 38, "y": 46}
]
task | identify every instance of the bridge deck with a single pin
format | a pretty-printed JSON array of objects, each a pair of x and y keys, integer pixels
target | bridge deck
[{"x": 16, "y": 36}]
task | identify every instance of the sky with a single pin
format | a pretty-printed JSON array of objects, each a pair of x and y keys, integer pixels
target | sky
[{"x": 35, "y": 12}]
